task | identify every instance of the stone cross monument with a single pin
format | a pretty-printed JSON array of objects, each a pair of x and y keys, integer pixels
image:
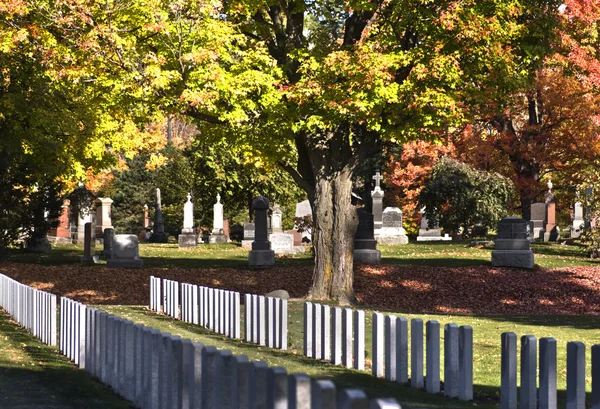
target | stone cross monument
[{"x": 377, "y": 197}]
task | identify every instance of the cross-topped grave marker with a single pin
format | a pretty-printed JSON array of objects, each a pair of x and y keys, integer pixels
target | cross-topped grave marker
[{"x": 377, "y": 178}]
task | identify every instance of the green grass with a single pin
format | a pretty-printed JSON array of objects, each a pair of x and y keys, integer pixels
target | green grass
[
  {"x": 36, "y": 376},
  {"x": 486, "y": 334},
  {"x": 450, "y": 254}
]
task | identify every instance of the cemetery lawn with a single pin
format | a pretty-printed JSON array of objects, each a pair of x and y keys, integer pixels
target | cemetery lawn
[
  {"x": 36, "y": 376},
  {"x": 486, "y": 351}
]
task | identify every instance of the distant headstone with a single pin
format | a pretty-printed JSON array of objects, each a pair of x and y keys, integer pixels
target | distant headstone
[
  {"x": 551, "y": 231},
  {"x": 217, "y": 235},
  {"x": 39, "y": 244},
  {"x": 85, "y": 216},
  {"x": 158, "y": 230},
  {"x": 365, "y": 245},
  {"x": 578, "y": 221},
  {"x": 478, "y": 231},
  {"x": 276, "y": 219},
  {"x": 249, "y": 229},
  {"x": 88, "y": 246},
  {"x": 188, "y": 238},
  {"x": 538, "y": 216},
  {"x": 103, "y": 215},
  {"x": 512, "y": 247},
  {"x": 261, "y": 254},
  {"x": 391, "y": 231},
  {"x": 377, "y": 198},
  {"x": 282, "y": 243},
  {"x": 109, "y": 235},
  {"x": 237, "y": 232},
  {"x": 303, "y": 209},
  {"x": 430, "y": 233},
  {"x": 125, "y": 252}
]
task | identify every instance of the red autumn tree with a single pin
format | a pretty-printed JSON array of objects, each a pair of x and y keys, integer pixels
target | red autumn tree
[
  {"x": 407, "y": 172},
  {"x": 552, "y": 126}
]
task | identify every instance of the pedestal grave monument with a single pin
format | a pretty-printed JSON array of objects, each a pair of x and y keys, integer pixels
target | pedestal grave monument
[
  {"x": 377, "y": 200},
  {"x": 365, "y": 245},
  {"x": 551, "y": 231},
  {"x": 512, "y": 247},
  {"x": 103, "y": 217},
  {"x": 188, "y": 238},
  {"x": 261, "y": 254},
  {"x": 217, "y": 235}
]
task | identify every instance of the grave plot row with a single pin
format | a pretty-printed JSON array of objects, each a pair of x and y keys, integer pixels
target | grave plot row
[
  {"x": 33, "y": 309},
  {"x": 159, "y": 370},
  {"x": 338, "y": 335},
  {"x": 544, "y": 396},
  {"x": 219, "y": 310}
]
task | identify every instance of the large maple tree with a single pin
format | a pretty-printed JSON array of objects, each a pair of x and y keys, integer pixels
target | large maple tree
[{"x": 308, "y": 85}]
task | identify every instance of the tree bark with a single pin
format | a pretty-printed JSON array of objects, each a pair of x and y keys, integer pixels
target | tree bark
[{"x": 334, "y": 229}]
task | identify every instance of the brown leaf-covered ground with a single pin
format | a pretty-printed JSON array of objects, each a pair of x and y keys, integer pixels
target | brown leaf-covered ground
[{"x": 475, "y": 290}]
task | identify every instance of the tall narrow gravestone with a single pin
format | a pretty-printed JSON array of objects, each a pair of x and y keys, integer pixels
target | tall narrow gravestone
[
  {"x": 365, "y": 245},
  {"x": 578, "y": 221},
  {"x": 538, "y": 216},
  {"x": 217, "y": 235},
  {"x": 89, "y": 246},
  {"x": 512, "y": 245},
  {"x": 158, "y": 230},
  {"x": 261, "y": 254},
  {"x": 551, "y": 232},
  {"x": 377, "y": 198},
  {"x": 187, "y": 238}
]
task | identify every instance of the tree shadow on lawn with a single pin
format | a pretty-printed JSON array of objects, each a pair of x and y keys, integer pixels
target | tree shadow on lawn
[{"x": 53, "y": 382}]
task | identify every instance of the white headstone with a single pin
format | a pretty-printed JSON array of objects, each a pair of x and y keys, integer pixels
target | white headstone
[
  {"x": 578, "y": 221},
  {"x": 392, "y": 231},
  {"x": 188, "y": 215},
  {"x": 218, "y": 216},
  {"x": 125, "y": 252},
  {"x": 303, "y": 209}
]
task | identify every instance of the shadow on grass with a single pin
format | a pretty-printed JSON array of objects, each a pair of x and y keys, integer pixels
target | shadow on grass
[{"x": 51, "y": 382}]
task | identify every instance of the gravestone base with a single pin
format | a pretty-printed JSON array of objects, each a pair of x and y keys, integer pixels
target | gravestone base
[
  {"x": 217, "y": 238},
  {"x": 59, "y": 240},
  {"x": 187, "y": 240},
  {"x": 512, "y": 258},
  {"x": 392, "y": 240},
  {"x": 247, "y": 244},
  {"x": 369, "y": 256},
  {"x": 39, "y": 245},
  {"x": 125, "y": 263},
  {"x": 432, "y": 235},
  {"x": 261, "y": 258},
  {"x": 159, "y": 238},
  {"x": 552, "y": 235},
  {"x": 577, "y": 229},
  {"x": 89, "y": 259}
]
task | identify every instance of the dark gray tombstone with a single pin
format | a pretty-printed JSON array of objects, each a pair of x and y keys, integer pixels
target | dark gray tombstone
[
  {"x": 365, "y": 245},
  {"x": 158, "y": 230},
  {"x": 512, "y": 247},
  {"x": 538, "y": 216},
  {"x": 88, "y": 245},
  {"x": 261, "y": 254},
  {"x": 108, "y": 235}
]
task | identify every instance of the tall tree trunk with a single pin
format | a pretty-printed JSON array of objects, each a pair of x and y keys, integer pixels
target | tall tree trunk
[
  {"x": 325, "y": 172},
  {"x": 335, "y": 226}
]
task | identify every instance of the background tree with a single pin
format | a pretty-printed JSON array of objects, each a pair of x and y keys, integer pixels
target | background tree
[{"x": 457, "y": 195}]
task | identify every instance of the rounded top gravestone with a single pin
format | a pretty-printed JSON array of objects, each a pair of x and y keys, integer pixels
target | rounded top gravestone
[{"x": 260, "y": 203}]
